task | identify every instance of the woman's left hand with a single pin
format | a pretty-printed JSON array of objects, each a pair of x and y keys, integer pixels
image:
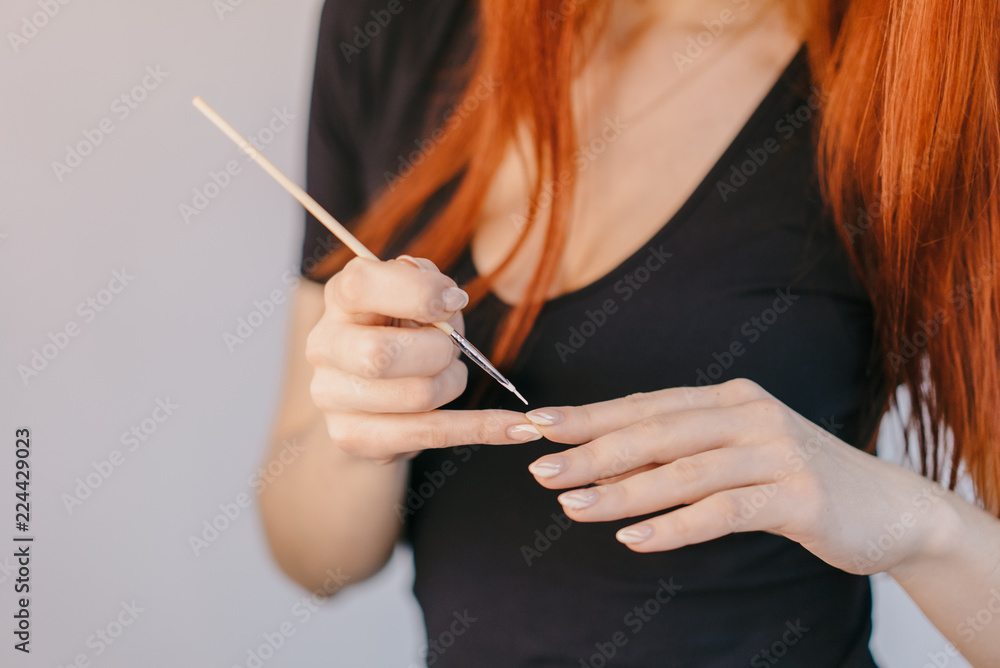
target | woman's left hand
[{"x": 736, "y": 459}]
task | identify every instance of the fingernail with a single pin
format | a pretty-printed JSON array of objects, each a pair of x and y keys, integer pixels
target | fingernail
[
  {"x": 409, "y": 259},
  {"x": 455, "y": 299},
  {"x": 549, "y": 466},
  {"x": 636, "y": 534},
  {"x": 523, "y": 433},
  {"x": 545, "y": 417},
  {"x": 579, "y": 499}
]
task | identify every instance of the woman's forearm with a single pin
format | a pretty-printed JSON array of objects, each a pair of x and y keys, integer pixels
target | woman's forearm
[
  {"x": 329, "y": 512},
  {"x": 955, "y": 577}
]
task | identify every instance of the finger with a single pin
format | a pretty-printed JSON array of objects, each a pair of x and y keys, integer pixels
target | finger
[
  {"x": 756, "y": 508},
  {"x": 390, "y": 435},
  {"x": 659, "y": 439},
  {"x": 372, "y": 352},
  {"x": 681, "y": 482},
  {"x": 579, "y": 424},
  {"x": 334, "y": 391},
  {"x": 626, "y": 475},
  {"x": 395, "y": 289}
]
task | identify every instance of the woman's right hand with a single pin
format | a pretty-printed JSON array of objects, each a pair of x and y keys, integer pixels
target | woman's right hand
[{"x": 381, "y": 368}]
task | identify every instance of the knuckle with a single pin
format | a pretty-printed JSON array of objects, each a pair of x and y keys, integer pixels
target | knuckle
[
  {"x": 687, "y": 470},
  {"x": 492, "y": 428},
  {"x": 349, "y": 283},
  {"x": 367, "y": 350},
  {"x": 485, "y": 432},
  {"x": 648, "y": 428},
  {"x": 785, "y": 447},
  {"x": 342, "y": 434},
  {"x": 767, "y": 410},
  {"x": 420, "y": 395},
  {"x": 314, "y": 347},
  {"x": 444, "y": 354},
  {"x": 451, "y": 382},
  {"x": 432, "y": 433},
  {"x": 680, "y": 524},
  {"x": 431, "y": 305},
  {"x": 637, "y": 399},
  {"x": 319, "y": 390},
  {"x": 727, "y": 507},
  {"x": 743, "y": 389}
]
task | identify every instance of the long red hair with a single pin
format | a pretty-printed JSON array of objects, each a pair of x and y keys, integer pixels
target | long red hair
[{"x": 909, "y": 154}]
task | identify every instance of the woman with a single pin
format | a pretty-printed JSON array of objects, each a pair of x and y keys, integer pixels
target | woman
[{"x": 707, "y": 239}]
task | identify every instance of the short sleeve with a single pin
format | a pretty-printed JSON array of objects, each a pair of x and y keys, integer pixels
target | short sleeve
[{"x": 333, "y": 163}]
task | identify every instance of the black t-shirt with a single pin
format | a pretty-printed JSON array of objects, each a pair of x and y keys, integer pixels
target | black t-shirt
[{"x": 748, "y": 279}]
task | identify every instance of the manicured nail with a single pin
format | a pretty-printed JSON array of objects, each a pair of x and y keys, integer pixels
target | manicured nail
[
  {"x": 579, "y": 499},
  {"x": 545, "y": 417},
  {"x": 549, "y": 466},
  {"x": 455, "y": 299},
  {"x": 523, "y": 433},
  {"x": 409, "y": 259},
  {"x": 636, "y": 534}
]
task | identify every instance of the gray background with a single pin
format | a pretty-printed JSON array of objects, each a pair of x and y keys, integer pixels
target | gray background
[{"x": 162, "y": 338}]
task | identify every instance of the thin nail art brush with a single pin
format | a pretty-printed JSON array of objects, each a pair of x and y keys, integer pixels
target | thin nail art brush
[{"x": 341, "y": 233}]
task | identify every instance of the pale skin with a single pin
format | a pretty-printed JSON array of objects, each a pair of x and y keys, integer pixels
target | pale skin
[{"x": 362, "y": 400}]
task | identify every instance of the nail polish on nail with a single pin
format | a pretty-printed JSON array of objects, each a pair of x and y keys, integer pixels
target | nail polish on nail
[
  {"x": 546, "y": 417},
  {"x": 523, "y": 433},
  {"x": 579, "y": 499},
  {"x": 636, "y": 534},
  {"x": 409, "y": 259},
  {"x": 549, "y": 466},
  {"x": 455, "y": 299}
]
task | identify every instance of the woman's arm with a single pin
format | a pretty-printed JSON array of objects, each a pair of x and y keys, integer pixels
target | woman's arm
[
  {"x": 327, "y": 510},
  {"x": 955, "y": 576}
]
